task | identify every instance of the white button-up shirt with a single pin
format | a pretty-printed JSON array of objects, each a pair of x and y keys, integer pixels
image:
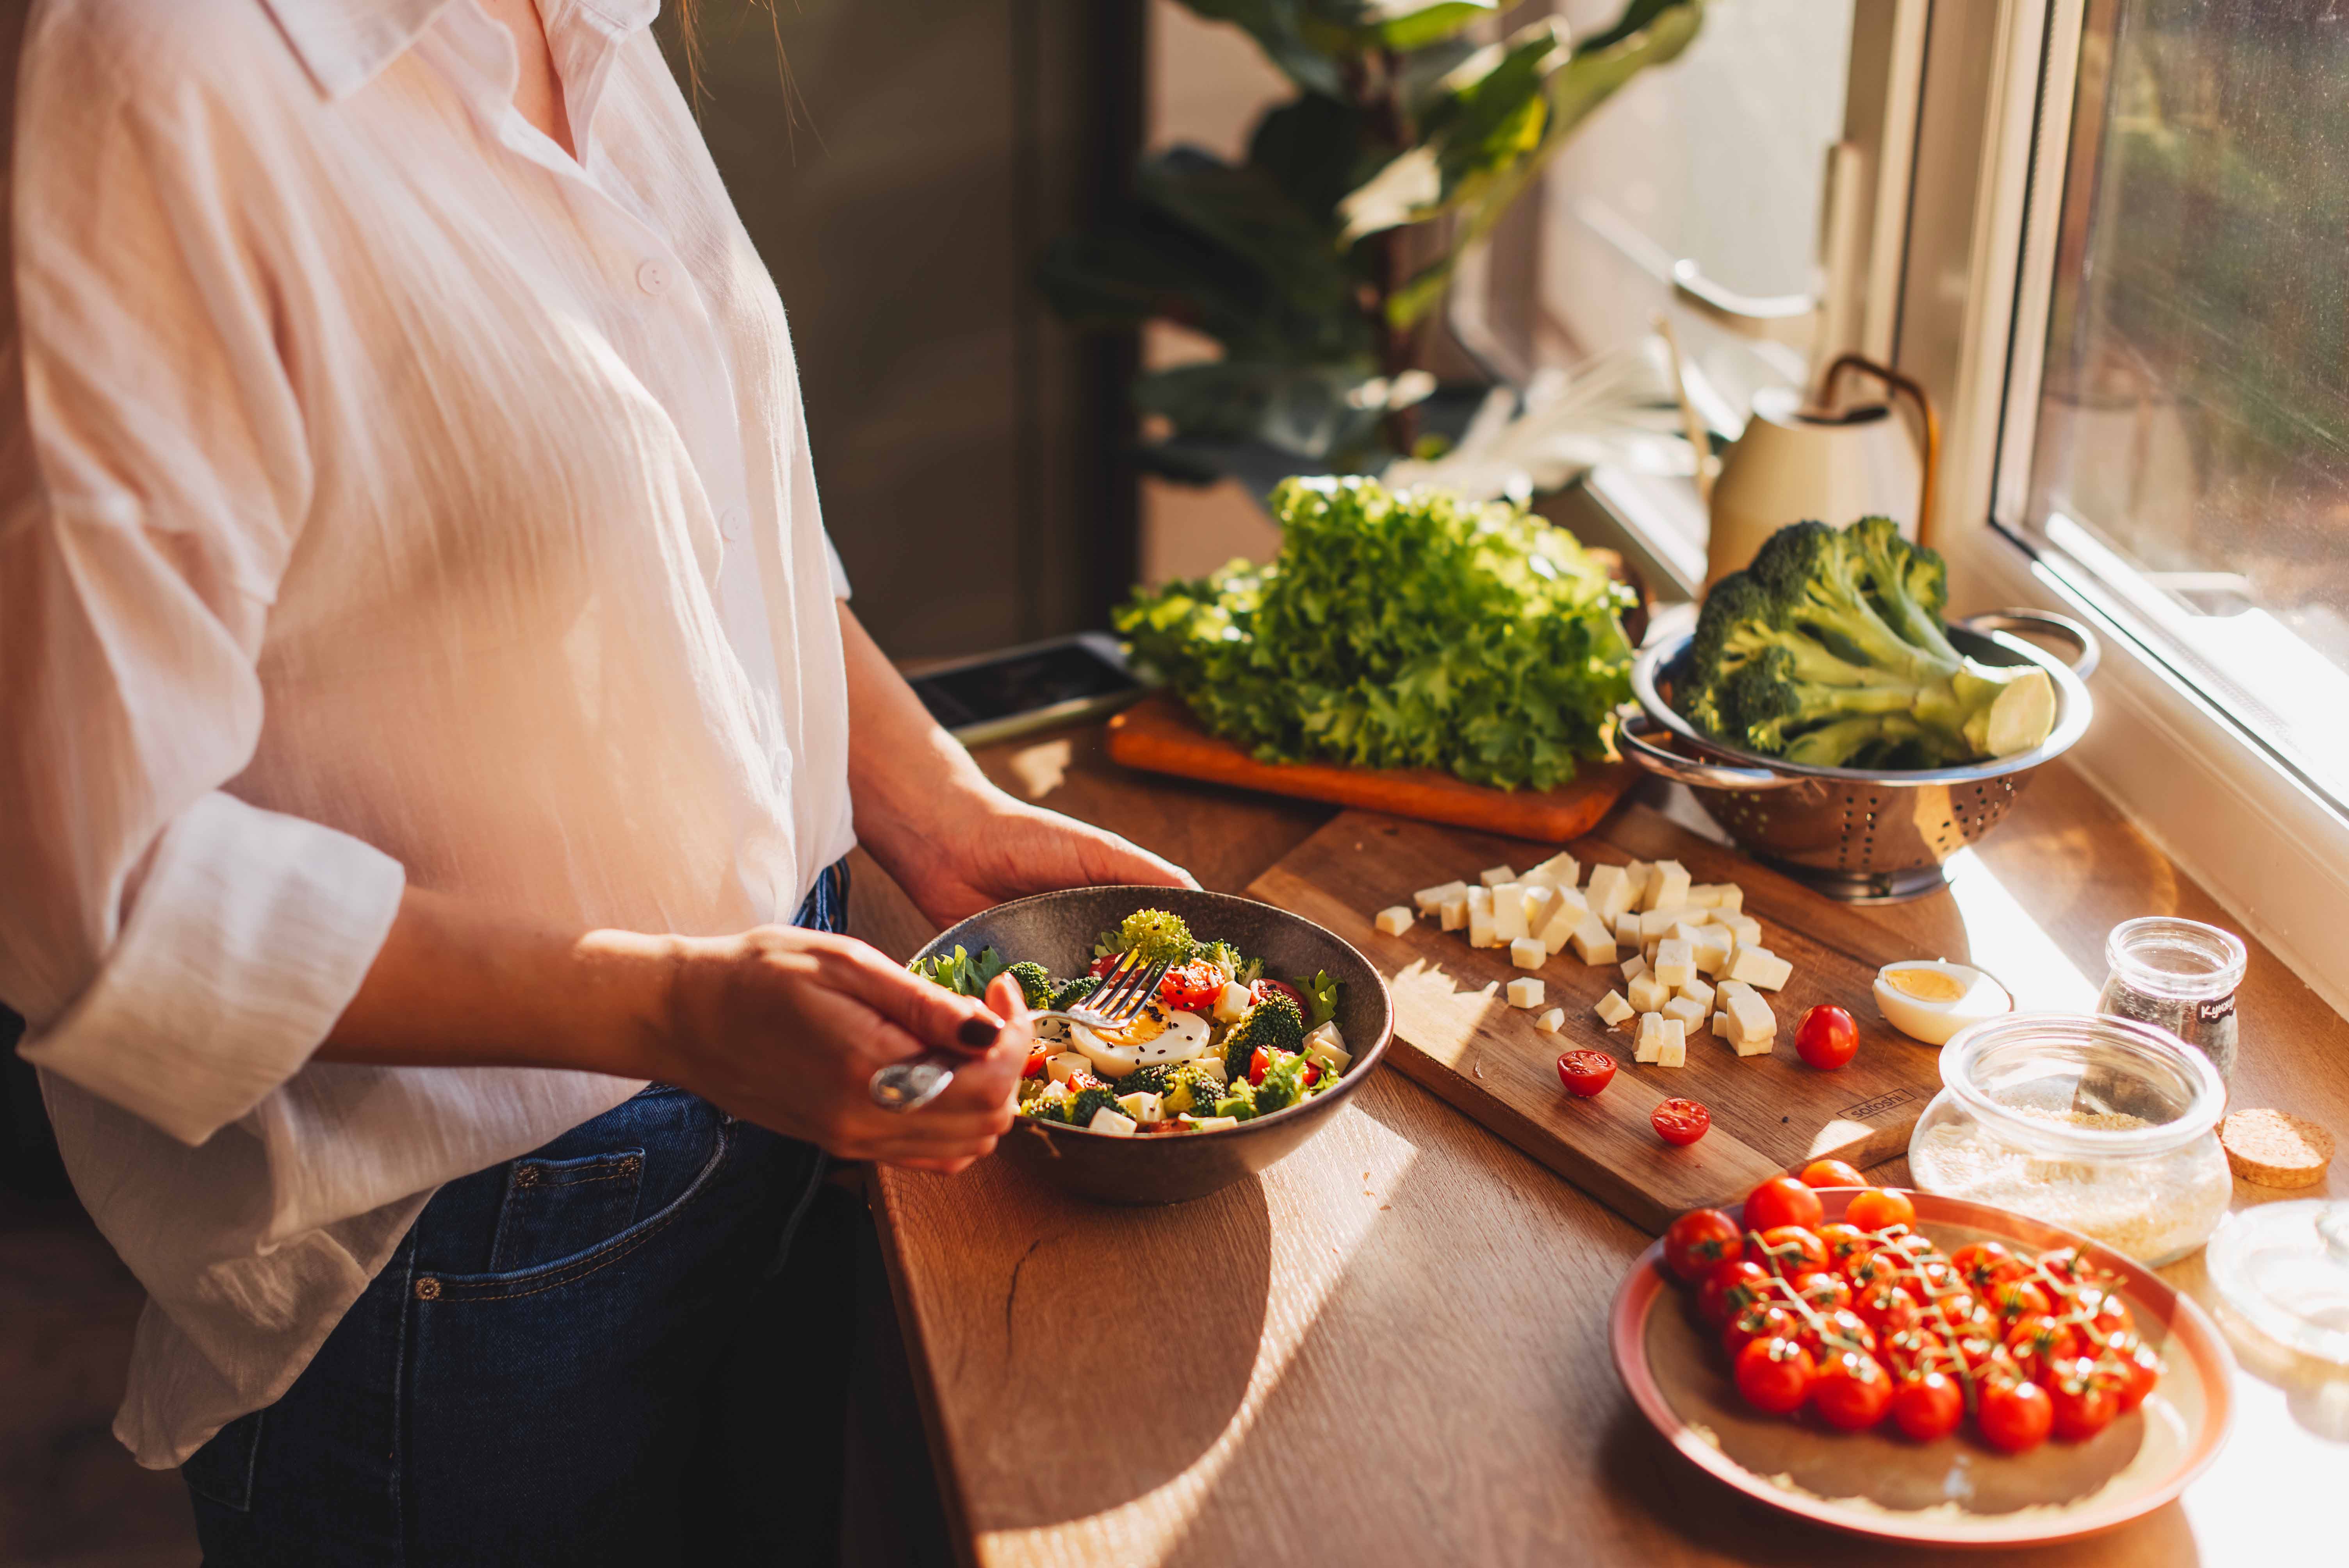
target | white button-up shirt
[{"x": 384, "y": 495}]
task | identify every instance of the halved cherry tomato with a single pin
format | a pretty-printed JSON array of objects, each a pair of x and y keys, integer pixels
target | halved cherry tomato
[
  {"x": 2039, "y": 1345},
  {"x": 1105, "y": 963},
  {"x": 1986, "y": 1263},
  {"x": 2015, "y": 1415},
  {"x": 1852, "y": 1390},
  {"x": 2086, "y": 1397},
  {"x": 1310, "y": 1075},
  {"x": 1827, "y": 1038},
  {"x": 1928, "y": 1405},
  {"x": 1762, "y": 1320},
  {"x": 1782, "y": 1200},
  {"x": 1699, "y": 1239},
  {"x": 1680, "y": 1122},
  {"x": 1792, "y": 1250},
  {"x": 1775, "y": 1376},
  {"x": 1584, "y": 1073},
  {"x": 1035, "y": 1068},
  {"x": 1259, "y": 1062},
  {"x": 1192, "y": 987},
  {"x": 1880, "y": 1209},
  {"x": 1730, "y": 1289},
  {"x": 1832, "y": 1173},
  {"x": 1271, "y": 987}
]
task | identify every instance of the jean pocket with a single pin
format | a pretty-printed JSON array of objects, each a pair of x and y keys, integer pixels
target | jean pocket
[
  {"x": 222, "y": 1470},
  {"x": 554, "y": 1208}
]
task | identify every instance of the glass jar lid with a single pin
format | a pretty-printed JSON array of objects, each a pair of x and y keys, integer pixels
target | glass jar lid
[
  {"x": 2162, "y": 955},
  {"x": 2084, "y": 1083},
  {"x": 2285, "y": 1268}
]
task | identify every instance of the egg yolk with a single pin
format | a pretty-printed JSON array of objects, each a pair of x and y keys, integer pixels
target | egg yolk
[
  {"x": 1148, "y": 1026},
  {"x": 1926, "y": 984}
]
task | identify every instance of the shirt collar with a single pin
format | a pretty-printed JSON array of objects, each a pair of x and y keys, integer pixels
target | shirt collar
[{"x": 344, "y": 43}]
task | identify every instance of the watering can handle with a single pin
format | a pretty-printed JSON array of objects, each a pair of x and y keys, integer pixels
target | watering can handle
[{"x": 1908, "y": 387}]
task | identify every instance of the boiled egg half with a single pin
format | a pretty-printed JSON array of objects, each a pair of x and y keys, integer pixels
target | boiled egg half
[
  {"x": 1930, "y": 999},
  {"x": 1161, "y": 1034}
]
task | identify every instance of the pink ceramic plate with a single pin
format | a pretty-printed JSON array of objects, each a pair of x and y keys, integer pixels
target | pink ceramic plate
[{"x": 1957, "y": 1491}]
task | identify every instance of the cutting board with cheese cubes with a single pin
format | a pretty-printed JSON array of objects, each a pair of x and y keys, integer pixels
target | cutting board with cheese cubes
[{"x": 1463, "y": 1033}]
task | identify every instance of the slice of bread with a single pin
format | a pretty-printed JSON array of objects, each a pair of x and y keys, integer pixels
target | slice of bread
[{"x": 2275, "y": 1149}]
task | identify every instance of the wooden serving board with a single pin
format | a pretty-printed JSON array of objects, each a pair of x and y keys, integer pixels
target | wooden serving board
[
  {"x": 1159, "y": 736},
  {"x": 1456, "y": 1034}
]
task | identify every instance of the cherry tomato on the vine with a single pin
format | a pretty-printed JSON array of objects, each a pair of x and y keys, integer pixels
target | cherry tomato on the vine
[
  {"x": 1886, "y": 1307},
  {"x": 1928, "y": 1405},
  {"x": 1775, "y": 1376},
  {"x": 2136, "y": 1369},
  {"x": 1584, "y": 1073},
  {"x": 1792, "y": 1250},
  {"x": 1699, "y": 1239},
  {"x": 1730, "y": 1289},
  {"x": 1986, "y": 1263},
  {"x": 2016, "y": 1299},
  {"x": 1851, "y": 1390},
  {"x": 1680, "y": 1123},
  {"x": 1827, "y": 1038},
  {"x": 1782, "y": 1200},
  {"x": 1880, "y": 1209},
  {"x": 1843, "y": 1241},
  {"x": 1823, "y": 1290},
  {"x": 2085, "y": 1398},
  {"x": 1840, "y": 1329},
  {"x": 1832, "y": 1173},
  {"x": 1762, "y": 1320},
  {"x": 2038, "y": 1345},
  {"x": 2015, "y": 1415}
]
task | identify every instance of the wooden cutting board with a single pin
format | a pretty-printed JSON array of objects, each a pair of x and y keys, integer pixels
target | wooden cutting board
[
  {"x": 1159, "y": 736},
  {"x": 1456, "y": 1034}
]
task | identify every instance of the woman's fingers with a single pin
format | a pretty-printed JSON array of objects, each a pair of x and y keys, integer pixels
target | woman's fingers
[{"x": 937, "y": 1017}]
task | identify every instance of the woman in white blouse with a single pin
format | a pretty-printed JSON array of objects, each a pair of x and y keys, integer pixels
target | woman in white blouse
[{"x": 430, "y": 693}]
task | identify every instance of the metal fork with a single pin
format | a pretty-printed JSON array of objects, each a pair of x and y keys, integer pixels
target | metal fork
[{"x": 1124, "y": 992}]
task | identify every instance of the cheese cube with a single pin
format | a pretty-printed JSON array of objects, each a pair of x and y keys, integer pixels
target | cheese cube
[
  {"x": 1745, "y": 927},
  {"x": 1326, "y": 1035},
  {"x": 1327, "y": 1053},
  {"x": 1633, "y": 967},
  {"x": 1538, "y": 901},
  {"x": 1613, "y": 1010},
  {"x": 1232, "y": 1003},
  {"x": 1648, "y": 1043},
  {"x": 1112, "y": 1122},
  {"x": 1508, "y": 912},
  {"x": 1608, "y": 891},
  {"x": 1675, "y": 962},
  {"x": 1066, "y": 1063},
  {"x": 1712, "y": 948},
  {"x": 1700, "y": 993},
  {"x": 1639, "y": 873},
  {"x": 1753, "y": 1027},
  {"x": 1431, "y": 899},
  {"x": 1480, "y": 918},
  {"x": 1592, "y": 942},
  {"x": 1655, "y": 924},
  {"x": 1666, "y": 887},
  {"x": 1759, "y": 966},
  {"x": 1213, "y": 1065},
  {"x": 1524, "y": 992},
  {"x": 1527, "y": 953},
  {"x": 1687, "y": 929},
  {"x": 1671, "y": 1051},
  {"x": 1394, "y": 920},
  {"x": 1704, "y": 895},
  {"x": 1728, "y": 897},
  {"x": 1455, "y": 912},
  {"x": 1721, "y": 1026},
  {"x": 1494, "y": 876},
  {"x": 1143, "y": 1107},
  {"x": 1687, "y": 1009},
  {"x": 1551, "y": 1022},
  {"x": 1561, "y": 871},
  {"x": 1626, "y": 927},
  {"x": 1648, "y": 994},
  {"x": 1557, "y": 930},
  {"x": 1211, "y": 1123}
]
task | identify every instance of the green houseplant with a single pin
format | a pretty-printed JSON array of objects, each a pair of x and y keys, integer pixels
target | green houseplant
[{"x": 1318, "y": 261}]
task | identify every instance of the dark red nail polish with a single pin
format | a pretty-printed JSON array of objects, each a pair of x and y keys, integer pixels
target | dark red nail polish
[{"x": 976, "y": 1033}]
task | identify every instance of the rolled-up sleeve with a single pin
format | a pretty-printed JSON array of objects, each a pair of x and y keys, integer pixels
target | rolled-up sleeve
[{"x": 175, "y": 949}]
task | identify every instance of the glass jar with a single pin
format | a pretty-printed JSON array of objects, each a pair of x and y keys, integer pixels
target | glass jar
[
  {"x": 2178, "y": 975},
  {"x": 2105, "y": 1126}
]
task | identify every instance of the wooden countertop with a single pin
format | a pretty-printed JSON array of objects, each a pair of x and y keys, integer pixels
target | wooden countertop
[{"x": 1391, "y": 1349}]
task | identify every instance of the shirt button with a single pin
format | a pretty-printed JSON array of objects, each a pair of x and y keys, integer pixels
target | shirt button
[
  {"x": 732, "y": 523},
  {"x": 652, "y": 277}
]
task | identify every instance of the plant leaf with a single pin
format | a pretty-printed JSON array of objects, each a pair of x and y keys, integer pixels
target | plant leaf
[
  {"x": 1281, "y": 28},
  {"x": 1244, "y": 209},
  {"x": 1312, "y": 147},
  {"x": 1410, "y": 23},
  {"x": 1487, "y": 116}
]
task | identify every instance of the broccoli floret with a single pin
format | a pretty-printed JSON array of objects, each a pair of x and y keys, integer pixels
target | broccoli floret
[
  {"x": 1274, "y": 1023},
  {"x": 1075, "y": 991},
  {"x": 1283, "y": 1085},
  {"x": 1192, "y": 1087},
  {"x": 1225, "y": 957},
  {"x": 1047, "y": 1106},
  {"x": 1089, "y": 1101},
  {"x": 1155, "y": 1078},
  {"x": 1034, "y": 983},
  {"x": 1032, "y": 1088},
  {"x": 1238, "y": 1102},
  {"x": 1150, "y": 934},
  {"x": 1829, "y": 650}
]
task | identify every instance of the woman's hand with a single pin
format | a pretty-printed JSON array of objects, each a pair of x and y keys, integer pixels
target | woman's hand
[
  {"x": 786, "y": 1028},
  {"x": 990, "y": 847}
]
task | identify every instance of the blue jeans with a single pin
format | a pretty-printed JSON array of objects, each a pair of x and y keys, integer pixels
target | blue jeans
[{"x": 541, "y": 1373}]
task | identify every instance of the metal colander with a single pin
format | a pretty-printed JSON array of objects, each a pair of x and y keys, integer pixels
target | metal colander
[{"x": 1851, "y": 834}]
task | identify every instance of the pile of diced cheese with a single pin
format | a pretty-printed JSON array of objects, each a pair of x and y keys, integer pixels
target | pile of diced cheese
[{"x": 1693, "y": 954}]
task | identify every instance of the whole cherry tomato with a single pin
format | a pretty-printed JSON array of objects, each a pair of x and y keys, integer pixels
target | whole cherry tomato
[
  {"x": 1269, "y": 987},
  {"x": 1827, "y": 1038},
  {"x": 1886, "y": 1307},
  {"x": 2136, "y": 1369},
  {"x": 1851, "y": 1390},
  {"x": 1782, "y": 1200},
  {"x": 1730, "y": 1289},
  {"x": 1880, "y": 1209},
  {"x": 1680, "y": 1123},
  {"x": 1775, "y": 1376},
  {"x": 1832, "y": 1173},
  {"x": 1699, "y": 1239},
  {"x": 1838, "y": 1329},
  {"x": 2016, "y": 1299},
  {"x": 1823, "y": 1290},
  {"x": 1762, "y": 1320},
  {"x": 1928, "y": 1405},
  {"x": 2015, "y": 1415},
  {"x": 1873, "y": 1265},
  {"x": 1584, "y": 1073},
  {"x": 1843, "y": 1241},
  {"x": 1193, "y": 987},
  {"x": 2071, "y": 1265},
  {"x": 2038, "y": 1345},
  {"x": 2107, "y": 1314},
  {"x": 2086, "y": 1397},
  {"x": 1915, "y": 1348},
  {"x": 1986, "y": 1263},
  {"x": 1792, "y": 1250}
]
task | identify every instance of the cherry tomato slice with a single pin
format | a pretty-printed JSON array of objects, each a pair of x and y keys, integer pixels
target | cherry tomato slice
[
  {"x": 1852, "y": 1390},
  {"x": 1928, "y": 1405},
  {"x": 1269, "y": 987},
  {"x": 1035, "y": 1068},
  {"x": 1584, "y": 1073},
  {"x": 1827, "y": 1038},
  {"x": 1192, "y": 987},
  {"x": 1699, "y": 1239},
  {"x": 1311, "y": 1074},
  {"x": 1775, "y": 1376},
  {"x": 1880, "y": 1209},
  {"x": 1259, "y": 1061},
  {"x": 2016, "y": 1416},
  {"x": 1680, "y": 1123},
  {"x": 1781, "y": 1201},
  {"x": 1832, "y": 1173}
]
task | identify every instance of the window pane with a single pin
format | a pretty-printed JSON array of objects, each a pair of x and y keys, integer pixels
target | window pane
[{"x": 2192, "y": 448}]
